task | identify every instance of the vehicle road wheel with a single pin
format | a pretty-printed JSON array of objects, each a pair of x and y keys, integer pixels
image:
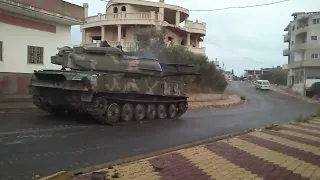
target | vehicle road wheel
[
  {"x": 172, "y": 111},
  {"x": 151, "y": 112},
  {"x": 161, "y": 111},
  {"x": 127, "y": 112},
  {"x": 113, "y": 113},
  {"x": 140, "y": 112}
]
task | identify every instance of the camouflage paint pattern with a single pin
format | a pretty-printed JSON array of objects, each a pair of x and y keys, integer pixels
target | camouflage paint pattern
[{"x": 101, "y": 79}]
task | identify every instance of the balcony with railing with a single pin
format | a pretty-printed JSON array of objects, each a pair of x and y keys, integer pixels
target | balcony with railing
[
  {"x": 302, "y": 28},
  {"x": 286, "y": 38},
  {"x": 140, "y": 18},
  {"x": 304, "y": 63},
  {"x": 286, "y": 52},
  {"x": 195, "y": 27},
  {"x": 122, "y": 18},
  {"x": 197, "y": 50},
  {"x": 285, "y": 67}
]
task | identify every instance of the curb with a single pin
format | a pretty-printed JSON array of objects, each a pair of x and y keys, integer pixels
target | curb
[
  {"x": 63, "y": 175},
  {"x": 295, "y": 96}
]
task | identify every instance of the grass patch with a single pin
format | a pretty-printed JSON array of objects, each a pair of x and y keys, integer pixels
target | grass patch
[
  {"x": 243, "y": 98},
  {"x": 302, "y": 119},
  {"x": 273, "y": 127},
  {"x": 116, "y": 175}
]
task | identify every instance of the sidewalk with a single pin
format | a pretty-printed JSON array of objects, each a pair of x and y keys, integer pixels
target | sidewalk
[
  {"x": 286, "y": 91},
  {"x": 16, "y": 103},
  {"x": 288, "y": 152}
]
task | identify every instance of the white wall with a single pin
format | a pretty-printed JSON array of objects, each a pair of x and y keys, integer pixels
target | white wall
[
  {"x": 298, "y": 56},
  {"x": 15, "y": 44}
]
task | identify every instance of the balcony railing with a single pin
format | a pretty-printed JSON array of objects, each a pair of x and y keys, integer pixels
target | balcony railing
[
  {"x": 195, "y": 27},
  {"x": 304, "y": 63},
  {"x": 286, "y": 52},
  {"x": 122, "y": 18},
  {"x": 286, "y": 38},
  {"x": 197, "y": 50},
  {"x": 302, "y": 28},
  {"x": 140, "y": 18}
]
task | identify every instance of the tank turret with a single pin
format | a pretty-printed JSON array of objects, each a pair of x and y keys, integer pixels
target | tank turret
[{"x": 105, "y": 59}]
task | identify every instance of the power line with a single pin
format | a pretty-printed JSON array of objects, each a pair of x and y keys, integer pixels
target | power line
[
  {"x": 228, "y": 50},
  {"x": 232, "y": 7},
  {"x": 241, "y": 7}
]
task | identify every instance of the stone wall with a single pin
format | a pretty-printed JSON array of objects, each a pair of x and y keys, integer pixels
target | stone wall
[{"x": 14, "y": 84}]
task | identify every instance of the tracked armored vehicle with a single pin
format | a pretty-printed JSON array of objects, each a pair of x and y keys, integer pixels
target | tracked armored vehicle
[{"x": 110, "y": 86}]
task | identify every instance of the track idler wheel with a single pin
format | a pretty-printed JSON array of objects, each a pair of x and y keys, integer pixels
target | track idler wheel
[
  {"x": 182, "y": 108},
  {"x": 113, "y": 113}
]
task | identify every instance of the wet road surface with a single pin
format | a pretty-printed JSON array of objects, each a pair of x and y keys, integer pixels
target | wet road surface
[{"x": 40, "y": 144}]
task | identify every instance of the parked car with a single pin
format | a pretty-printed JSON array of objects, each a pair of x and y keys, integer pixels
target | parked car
[{"x": 262, "y": 84}]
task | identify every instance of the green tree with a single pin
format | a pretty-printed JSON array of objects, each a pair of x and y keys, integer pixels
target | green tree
[
  {"x": 275, "y": 76},
  {"x": 152, "y": 40}
]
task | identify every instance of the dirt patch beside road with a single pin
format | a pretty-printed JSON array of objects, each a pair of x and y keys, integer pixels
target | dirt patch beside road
[{"x": 203, "y": 100}]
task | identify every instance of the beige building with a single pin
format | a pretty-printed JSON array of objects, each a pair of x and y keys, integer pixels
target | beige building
[
  {"x": 117, "y": 24},
  {"x": 303, "y": 53}
]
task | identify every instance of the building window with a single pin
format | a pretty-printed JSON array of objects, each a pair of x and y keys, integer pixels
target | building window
[
  {"x": 124, "y": 33},
  {"x": 314, "y": 37},
  {"x": 316, "y": 21},
  {"x": 314, "y": 55},
  {"x": 115, "y": 10},
  {"x": 123, "y": 9},
  {"x": 292, "y": 42},
  {"x": 1, "y": 51},
  {"x": 293, "y": 28},
  {"x": 35, "y": 55}
]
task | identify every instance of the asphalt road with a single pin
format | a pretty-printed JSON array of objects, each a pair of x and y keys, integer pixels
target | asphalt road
[{"x": 40, "y": 144}]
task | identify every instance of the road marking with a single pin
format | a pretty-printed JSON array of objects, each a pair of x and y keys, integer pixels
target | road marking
[
  {"x": 305, "y": 136},
  {"x": 138, "y": 170},
  {"x": 286, "y": 142},
  {"x": 302, "y": 128},
  {"x": 290, "y": 163},
  {"x": 215, "y": 166}
]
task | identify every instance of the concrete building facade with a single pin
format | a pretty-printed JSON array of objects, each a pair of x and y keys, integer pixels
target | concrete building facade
[
  {"x": 30, "y": 32},
  {"x": 255, "y": 74},
  {"x": 303, "y": 52},
  {"x": 117, "y": 24}
]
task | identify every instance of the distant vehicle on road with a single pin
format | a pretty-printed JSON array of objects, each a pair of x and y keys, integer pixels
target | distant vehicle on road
[{"x": 262, "y": 84}]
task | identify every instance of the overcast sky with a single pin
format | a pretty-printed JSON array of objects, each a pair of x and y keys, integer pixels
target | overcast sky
[{"x": 248, "y": 38}]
